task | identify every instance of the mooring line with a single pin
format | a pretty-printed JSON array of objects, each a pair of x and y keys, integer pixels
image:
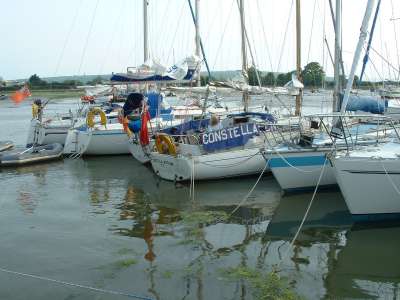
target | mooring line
[
  {"x": 251, "y": 190},
  {"x": 129, "y": 295},
  {"x": 305, "y": 215}
]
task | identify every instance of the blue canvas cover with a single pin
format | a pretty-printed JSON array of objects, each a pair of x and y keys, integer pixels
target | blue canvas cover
[
  {"x": 228, "y": 137},
  {"x": 369, "y": 104}
]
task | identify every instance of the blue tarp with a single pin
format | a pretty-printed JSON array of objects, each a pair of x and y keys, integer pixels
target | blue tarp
[
  {"x": 195, "y": 125},
  {"x": 154, "y": 101},
  {"x": 228, "y": 137}
]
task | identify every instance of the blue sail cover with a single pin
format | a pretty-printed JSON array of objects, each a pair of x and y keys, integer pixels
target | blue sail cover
[
  {"x": 154, "y": 101},
  {"x": 230, "y": 137},
  {"x": 369, "y": 104}
]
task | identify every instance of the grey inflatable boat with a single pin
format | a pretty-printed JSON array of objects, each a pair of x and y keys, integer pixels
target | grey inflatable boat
[
  {"x": 6, "y": 145},
  {"x": 31, "y": 155}
]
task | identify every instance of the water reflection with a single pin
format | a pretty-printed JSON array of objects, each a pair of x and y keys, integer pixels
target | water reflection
[
  {"x": 27, "y": 202},
  {"x": 367, "y": 266}
]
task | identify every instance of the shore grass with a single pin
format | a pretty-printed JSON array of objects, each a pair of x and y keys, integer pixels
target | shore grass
[
  {"x": 58, "y": 94},
  {"x": 53, "y": 94}
]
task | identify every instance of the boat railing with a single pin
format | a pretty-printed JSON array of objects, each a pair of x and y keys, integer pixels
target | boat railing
[{"x": 341, "y": 127}]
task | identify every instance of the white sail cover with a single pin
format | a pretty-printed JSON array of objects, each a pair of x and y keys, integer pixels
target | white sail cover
[{"x": 154, "y": 71}]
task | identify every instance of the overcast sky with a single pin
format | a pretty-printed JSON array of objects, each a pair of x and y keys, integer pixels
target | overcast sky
[{"x": 75, "y": 37}]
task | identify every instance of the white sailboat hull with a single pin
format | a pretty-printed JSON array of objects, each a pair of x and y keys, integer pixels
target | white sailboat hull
[
  {"x": 370, "y": 186},
  {"x": 210, "y": 166},
  {"x": 139, "y": 152},
  {"x": 96, "y": 142},
  {"x": 47, "y": 134},
  {"x": 301, "y": 170},
  {"x": 108, "y": 143}
]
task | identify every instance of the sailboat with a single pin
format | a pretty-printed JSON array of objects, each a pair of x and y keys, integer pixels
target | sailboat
[
  {"x": 304, "y": 165},
  {"x": 225, "y": 148},
  {"x": 369, "y": 177}
]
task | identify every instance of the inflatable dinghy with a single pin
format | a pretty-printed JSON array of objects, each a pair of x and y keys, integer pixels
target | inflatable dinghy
[
  {"x": 5, "y": 145},
  {"x": 31, "y": 155}
]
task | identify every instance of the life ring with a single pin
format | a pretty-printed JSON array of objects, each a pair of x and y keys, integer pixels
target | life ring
[
  {"x": 92, "y": 113},
  {"x": 163, "y": 139},
  {"x": 35, "y": 110}
]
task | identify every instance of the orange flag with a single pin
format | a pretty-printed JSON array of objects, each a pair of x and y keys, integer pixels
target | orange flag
[
  {"x": 21, "y": 94},
  {"x": 144, "y": 133}
]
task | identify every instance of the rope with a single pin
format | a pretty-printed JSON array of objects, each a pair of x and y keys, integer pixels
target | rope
[
  {"x": 129, "y": 295},
  {"x": 296, "y": 168},
  {"x": 191, "y": 191},
  {"x": 250, "y": 192},
  {"x": 305, "y": 215},
  {"x": 230, "y": 165}
]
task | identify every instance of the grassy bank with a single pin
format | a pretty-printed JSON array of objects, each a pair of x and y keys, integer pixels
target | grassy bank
[
  {"x": 57, "y": 94},
  {"x": 54, "y": 94}
]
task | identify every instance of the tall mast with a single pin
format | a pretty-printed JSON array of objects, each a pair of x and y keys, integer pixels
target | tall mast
[
  {"x": 338, "y": 47},
  {"x": 145, "y": 32},
  {"x": 298, "y": 55},
  {"x": 357, "y": 53},
  {"x": 198, "y": 47},
  {"x": 244, "y": 54}
]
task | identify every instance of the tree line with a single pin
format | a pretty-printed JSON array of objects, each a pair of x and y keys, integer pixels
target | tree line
[
  {"x": 35, "y": 82},
  {"x": 312, "y": 76}
]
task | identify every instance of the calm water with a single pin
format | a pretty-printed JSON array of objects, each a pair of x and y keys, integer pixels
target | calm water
[{"x": 110, "y": 223}]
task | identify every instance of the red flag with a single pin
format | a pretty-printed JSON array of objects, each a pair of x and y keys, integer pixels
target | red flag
[
  {"x": 144, "y": 133},
  {"x": 21, "y": 94}
]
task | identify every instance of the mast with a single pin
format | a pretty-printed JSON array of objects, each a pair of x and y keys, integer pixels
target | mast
[
  {"x": 244, "y": 55},
  {"x": 200, "y": 41},
  {"x": 357, "y": 53},
  {"x": 298, "y": 55},
  {"x": 197, "y": 26},
  {"x": 338, "y": 47},
  {"x": 145, "y": 32}
]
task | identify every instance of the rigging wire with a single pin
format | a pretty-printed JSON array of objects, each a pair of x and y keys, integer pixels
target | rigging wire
[
  {"x": 166, "y": 13},
  {"x": 176, "y": 30},
  {"x": 384, "y": 59},
  {"x": 397, "y": 45},
  {"x": 210, "y": 26},
  {"x": 381, "y": 39},
  {"x": 88, "y": 36},
  {"x": 121, "y": 46},
  {"x": 114, "y": 29},
  {"x": 134, "y": 53},
  {"x": 265, "y": 36},
  {"x": 67, "y": 37},
  {"x": 311, "y": 33},
  {"x": 285, "y": 35},
  {"x": 223, "y": 35},
  {"x": 254, "y": 48}
]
